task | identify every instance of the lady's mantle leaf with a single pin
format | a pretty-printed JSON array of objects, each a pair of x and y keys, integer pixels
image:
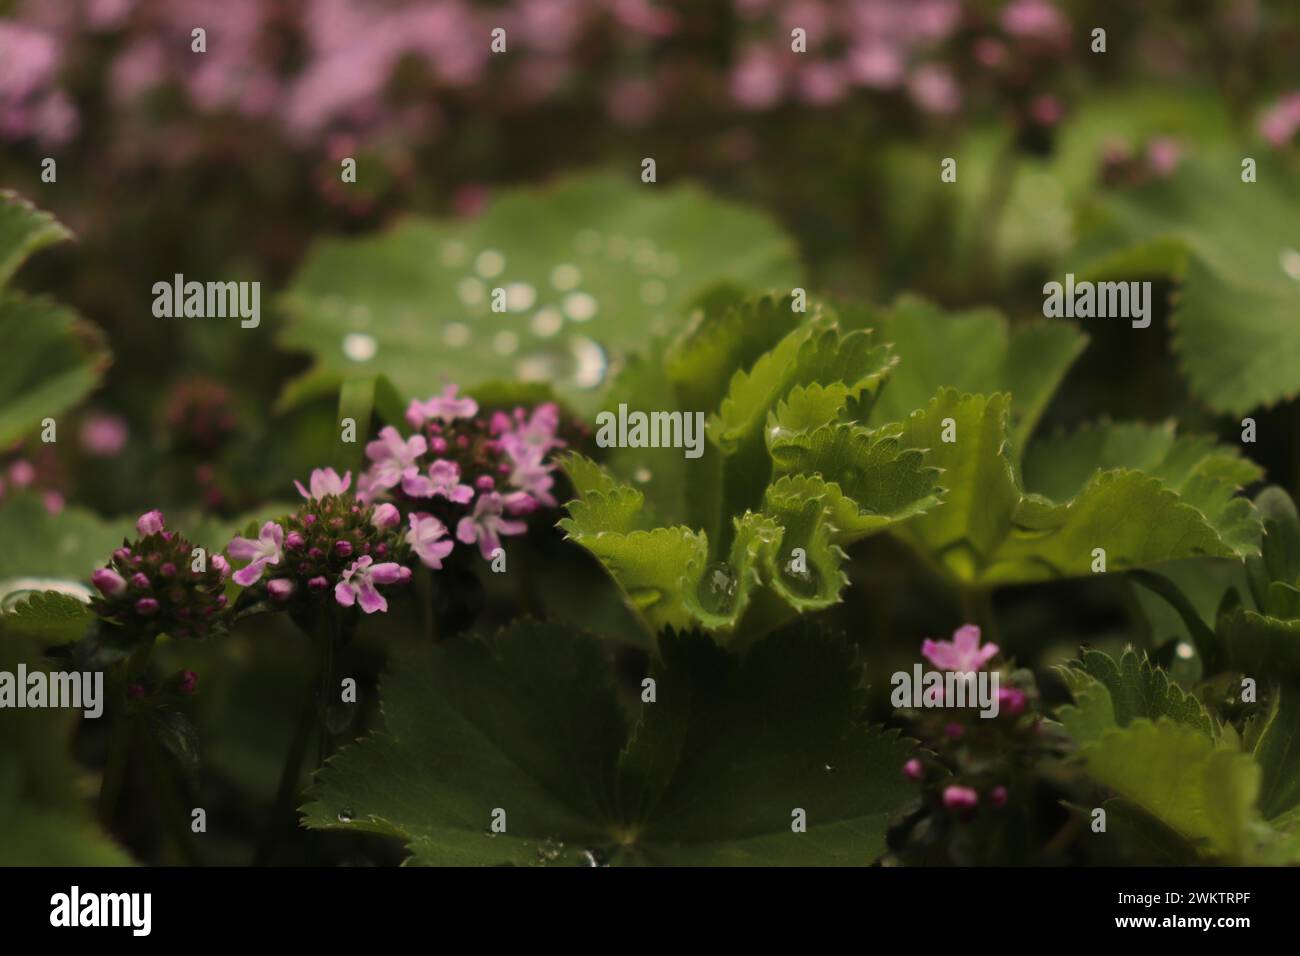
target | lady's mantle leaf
[
  {"x": 52, "y": 358},
  {"x": 588, "y": 267},
  {"x": 992, "y": 530},
  {"x": 528, "y": 722}
]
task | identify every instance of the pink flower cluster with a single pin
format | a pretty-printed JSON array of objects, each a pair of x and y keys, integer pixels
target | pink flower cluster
[{"x": 475, "y": 473}]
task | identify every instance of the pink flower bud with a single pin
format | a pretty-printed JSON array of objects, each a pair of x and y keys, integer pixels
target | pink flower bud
[
  {"x": 485, "y": 482},
  {"x": 913, "y": 770},
  {"x": 222, "y": 565},
  {"x": 293, "y": 541},
  {"x": 150, "y": 522},
  {"x": 109, "y": 582},
  {"x": 279, "y": 588},
  {"x": 960, "y": 798},
  {"x": 168, "y": 570},
  {"x": 954, "y": 730},
  {"x": 146, "y": 607},
  {"x": 1011, "y": 701},
  {"x": 386, "y": 516},
  {"x": 998, "y": 796},
  {"x": 140, "y": 580},
  {"x": 318, "y": 584},
  {"x": 343, "y": 548},
  {"x": 189, "y": 681}
]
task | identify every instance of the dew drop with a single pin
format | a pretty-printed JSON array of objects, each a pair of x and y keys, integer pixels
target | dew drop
[
  {"x": 717, "y": 590},
  {"x": 1290, "y": 260},
  {"x": 642, "y": 475},
  {"x": 594, "y": 856},
  {"x": 580, "y": 306},
  {"x": 359, "y": 346},
  {"x": 566, "y": 276},
  {"x": 589, "y": 362},
  {"x": 520, "y": 296},
  {"x": 803, "y": 582},
  {"x": 547, "y": 322},
  {"x": 470, "y": 291},
  {"x": 828, "y": 768},
  {"x": 490, "y": 263},
  {"x": 1185, "y": 650},
  {"x": 345, "y": 815},
  {"x": 452, "y": 254},
  {"x": 535, "y": 368},
  {"x": 505, "y": 343},
  {"x": 548, "y": 851},
  {"x": 455, "y": 334}
]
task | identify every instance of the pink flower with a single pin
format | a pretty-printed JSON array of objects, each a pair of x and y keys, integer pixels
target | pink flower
[
  {"x": 266, "y": 550},
  {"x": 1046, "y": 110},
  {"x": 962, "y": 654},
  {"x": 756, "y": 80},
  {"x": 1034, "y": 19},
  {"x": 1163, "y": 153},
  {"x": 189, "y": 681},
  {"x": 486, "y": 525},
  {"x": 358, "y": 584},
  {"x": 913, "y": 770},
  {"x": 386, "y": 516},
  {"x": 934, "y": 90},
  {"x": 395, "y": 460},
  {"x": 957, "y": 797},
  {"x": 109, "y": 582},
  {"x": 529, "y": 474},
  {"x": 325, "y": 482},
  {"x": 426, "y": 538},
  {"x": 103, "y": 435},
  {"x": 151, "y": 522},
  {"x": 280, "y": 589},
  {"x": 22, "y": 473},
  {"x": 222, "y": 565},
  {"x": 445, "y": 408},
  {"x": 444, "y": 480}
]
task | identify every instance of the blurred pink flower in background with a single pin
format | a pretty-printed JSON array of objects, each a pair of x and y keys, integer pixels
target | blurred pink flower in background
[
  {"x": 934, "y": 90},
  {"x": 1279, "y": 122},
  {"x": 104, "y": 435}
]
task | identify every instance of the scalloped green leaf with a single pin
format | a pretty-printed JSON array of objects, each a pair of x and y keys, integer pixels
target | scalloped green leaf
[
  {"x": 1137, "y": 689},
  {"x": 52, "y": 358},
  {"x": 976, "y": 351},
  {"x": 990, "y": 531},
  {"x": 1238, "y": 264},
  {"x": 48, "y": 618},
  {"x": 1277, "y": 751},
  {"x": 588, "y": 267},
  {"x": 528, "y": 722}
]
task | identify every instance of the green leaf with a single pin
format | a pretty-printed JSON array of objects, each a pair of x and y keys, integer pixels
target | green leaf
[
  {"x": 1238, "y": 265},
  {"x": 24, "y": 229},
  {"x": 1176, "y": 773},
  {"x": 1138, "y": 690},
  {"x": 43, "y": 819},
  {"x": 65, "y": 547},
  {"x": 977, "y": 474},
  {"x": 1277, "y": 751},
  {"x": 528, "y": 722},
  {"x": 48, "y": 618},
  {"x": 1260, "y": 644},
  {"x": 990, "y": 531},
  {"x": 589, "y": 266},
  {"x": 975, "y": 351}
]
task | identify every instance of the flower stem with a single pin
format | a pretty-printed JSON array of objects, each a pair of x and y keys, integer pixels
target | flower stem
[
  {"x": 119, "y": 733},
  {"x": 289, "y": 773}
]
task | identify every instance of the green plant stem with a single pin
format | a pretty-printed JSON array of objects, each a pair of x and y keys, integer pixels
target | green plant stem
[
  {"x": 977, "y": 605},
  {"x": 289, "y": 773},
  {"x": 173, "y": 812},
  {"x": 992, "y": 206},
  {"x": 119, "y": 733}
]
